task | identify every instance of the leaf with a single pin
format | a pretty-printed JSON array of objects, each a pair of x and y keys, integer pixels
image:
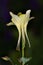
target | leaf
[{"x": 25, "y": 60}]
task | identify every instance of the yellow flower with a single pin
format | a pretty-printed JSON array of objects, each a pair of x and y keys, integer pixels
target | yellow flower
[{"x": 21, "y": 22}]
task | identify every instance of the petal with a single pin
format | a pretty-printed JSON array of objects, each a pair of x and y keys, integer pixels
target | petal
[
  {"x": 31, "y": 18},
  {"x": 16, "y": 21},
  {"x": 9, "y": 24},
  {"x": 28, "y": 13},
  {"x": 11, "y": 14},
  {"x": 18, "y": 44},
  {"x": 15, "y": 17},
  {"x": 27, "y": 36}
]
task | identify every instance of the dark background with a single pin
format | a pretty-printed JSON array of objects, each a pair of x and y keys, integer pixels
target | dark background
[{"x": 9, "y": 35}]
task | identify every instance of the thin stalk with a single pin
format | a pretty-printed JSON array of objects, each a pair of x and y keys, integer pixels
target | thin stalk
[
  {"x": 23, "y": 42},
  {"x": 11, "y": 61}
]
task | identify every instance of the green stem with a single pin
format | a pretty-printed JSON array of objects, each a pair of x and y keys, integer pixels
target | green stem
[
  {"x": 11, "y": 61},
  {"x": 22, "y": 55},
  {"x": 23, "y": 44},
  {"x": 23, "y": 49}
]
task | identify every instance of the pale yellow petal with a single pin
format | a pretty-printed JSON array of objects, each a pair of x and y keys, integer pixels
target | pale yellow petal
[
  {"x": 18, "y": 43},
  {"x": 28, "y": 13},
  {"x": 11, "y": 14},
  {"x": 14, "y": 17},
  {"x": 27, "y": 36},
  {"x": 31, "y": 18},
  {"x": 9, "y": 24}
]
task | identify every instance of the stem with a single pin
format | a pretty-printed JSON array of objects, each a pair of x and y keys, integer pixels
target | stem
[
  {"x": 11, "y": 62},
  {"x": 23, "y": 42},
  {"x": 22, "y": 47},
  {"x": 22, "y": 55}
]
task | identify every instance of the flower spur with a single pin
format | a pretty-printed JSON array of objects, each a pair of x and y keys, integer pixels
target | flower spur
[{"x": 21, "y": 22}]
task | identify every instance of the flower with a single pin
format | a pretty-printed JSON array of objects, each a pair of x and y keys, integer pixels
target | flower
[{"x": 21, "y": 22}]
